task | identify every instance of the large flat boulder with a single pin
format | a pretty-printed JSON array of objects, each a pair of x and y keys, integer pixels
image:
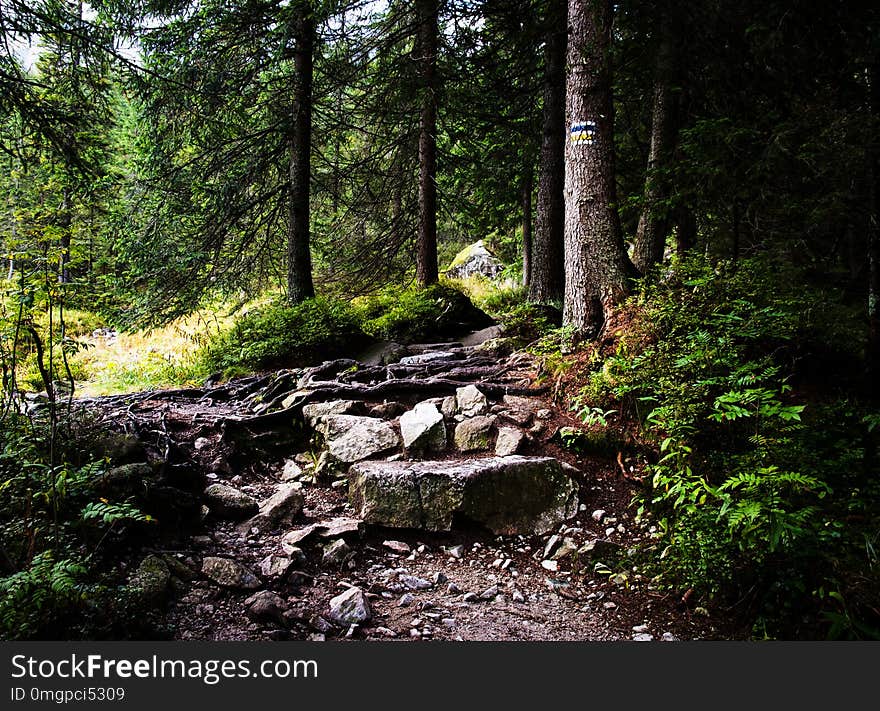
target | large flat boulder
[{"x": 509, "y": 495}]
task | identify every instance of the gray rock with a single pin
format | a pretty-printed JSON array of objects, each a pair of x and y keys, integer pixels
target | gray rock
[
  {"x": 406, "y": 600},
  {"x": 470, "y": 401},
  {"x": 127, "y": 477},
  {"x": 517, "y": 596},
  {"x": 448, "y": 407},
  {"x": 151, "y": 578},
  {"x": 453, "y": 589},
  {"x": 229, "y": 573},
  {"x": 291, "y": 471},
  {"x": 456, "y": 551},
  {"x": 518, "y": 417},
  {"x": 335, "y": 552},
  {"x": 226, "y": 502},
  {"x": 471, "y": 597},
  {"x": 668, "y": 637},
  {"x": 266, "y": 606},
  {"x": 509, "y": 441},
  {"x": 516, "y": 402},
  {"x": 276, "y": 566},
  {"x": 509, "y": 495},
  {"x": 439, "y": 578},
  {"x": 642, "y": 637},
  {"x": 475, "y": 260},
  {"x": 423, "y": 429},
  {"x": 352, "y": 439},
  {"x": 598, "y": 515},
  {"x": 340, "y": 527},
  {"x": 351, "y": 608},
  {"x": 280, "y": 508},
  {"x": 413, "y": 583},
  {"x": 397, "y": 547},
  {"x": 566, "y": 549},
  {"x": 473, "y": 434},
  {"x": 314, "y": 412},
  {"x": 489, "y": 593}
]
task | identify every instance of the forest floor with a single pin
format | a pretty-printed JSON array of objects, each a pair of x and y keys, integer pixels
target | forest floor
[{"x": 464, "y": 584}]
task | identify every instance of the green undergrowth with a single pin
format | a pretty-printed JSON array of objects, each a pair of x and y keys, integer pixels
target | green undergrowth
[
  {"x": 58, "y": 527},
  {"x": 278, "y": 335},
  {"x": 762, "y": 483}
]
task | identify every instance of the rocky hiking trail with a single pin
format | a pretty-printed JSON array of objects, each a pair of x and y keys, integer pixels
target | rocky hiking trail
[{"x": 418, "y": 492}]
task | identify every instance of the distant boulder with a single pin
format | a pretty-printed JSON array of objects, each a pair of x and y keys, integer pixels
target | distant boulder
[{"x": 475, "y": 260}]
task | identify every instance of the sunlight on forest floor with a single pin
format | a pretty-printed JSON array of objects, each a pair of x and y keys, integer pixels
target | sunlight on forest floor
[{"x": 128, "y": 362}]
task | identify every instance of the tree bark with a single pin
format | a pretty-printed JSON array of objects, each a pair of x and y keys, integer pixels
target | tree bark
[
  {"x": 299, "y": 260},
  {"x": 426, "y": 252},
  {"x": 528, "y": 244},
  {"x": 654, "y": 220},
  {"x": 873, "y": 349},
  {"x": 596, "y": 263},
  {"x": 685, "y": 230},
  {"x": 547, "y": 276}
]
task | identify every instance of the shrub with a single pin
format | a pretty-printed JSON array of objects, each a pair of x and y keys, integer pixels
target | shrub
[
  {"x": 749, "y": 489},
  {"x": 283, "y": 335}
]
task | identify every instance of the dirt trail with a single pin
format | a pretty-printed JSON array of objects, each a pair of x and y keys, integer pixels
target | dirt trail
[{"x": 465, "y": 584}]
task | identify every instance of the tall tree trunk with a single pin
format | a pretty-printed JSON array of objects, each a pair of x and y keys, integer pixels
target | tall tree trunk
[
  {"x": 528, "y": 243},
  {"x": 654, "y": 220},
  {"x": 873, "y": 350},
  {"x": 685, "y": 230},
  {"x": 547, "y": 275},
  {"x": 596, "y": 263},
  {"x": 299, "y": 258},
  {"x": 426, "y": 254}
]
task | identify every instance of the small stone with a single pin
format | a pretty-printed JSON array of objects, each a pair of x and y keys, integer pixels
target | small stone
[
  {"x": 489, "y": 593},
  {"x": 266, "y": 606},
  {"x": 335, "y": 552},
  {"x": 275, "y": 566},
  {"x": 201, "y": 443},
  {"x": 598, "y": 515},
  {"x": 456, "y": 551},
  {"x": 642, "y": 637},
  {"x": 471, "y": 597},
  {"x": 566, "y": 549},
  {"x": 406, "y": 600},
  {"x": 439, "y": 578},
  {"x": 609, "y": 530},
  {"x": 609, "y": 605},
  {"x": 397, "y": 547},
  {"x": 319, "y": 624},
  {"x": 544, "y": 414},
  {"x": 453, "y": 589},
  {"x": 550, "y": 565},
  {"x": 552, "y": 542},
  {"x": 385, "y": 632},
  {"x": 509, "y": 441},
  {"x": 473, "y": 434},
  {"x": 471, "y": 401},
  {"x": 229, "y": 573},
  {"x": 291, "y": 471},
  {"x": 517, "y": 596},
  {"x": 351, "y": 607},
  {"x": 668, "y": 637},
  {"x": 414, "y": 583},
  {"x": 414, "y": 633},
  {"x": 640, "y": 628},
  {"x": 226, "y": 502}
]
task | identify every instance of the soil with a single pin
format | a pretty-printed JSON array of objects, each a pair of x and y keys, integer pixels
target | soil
[{"x": 518, "y": 597}]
